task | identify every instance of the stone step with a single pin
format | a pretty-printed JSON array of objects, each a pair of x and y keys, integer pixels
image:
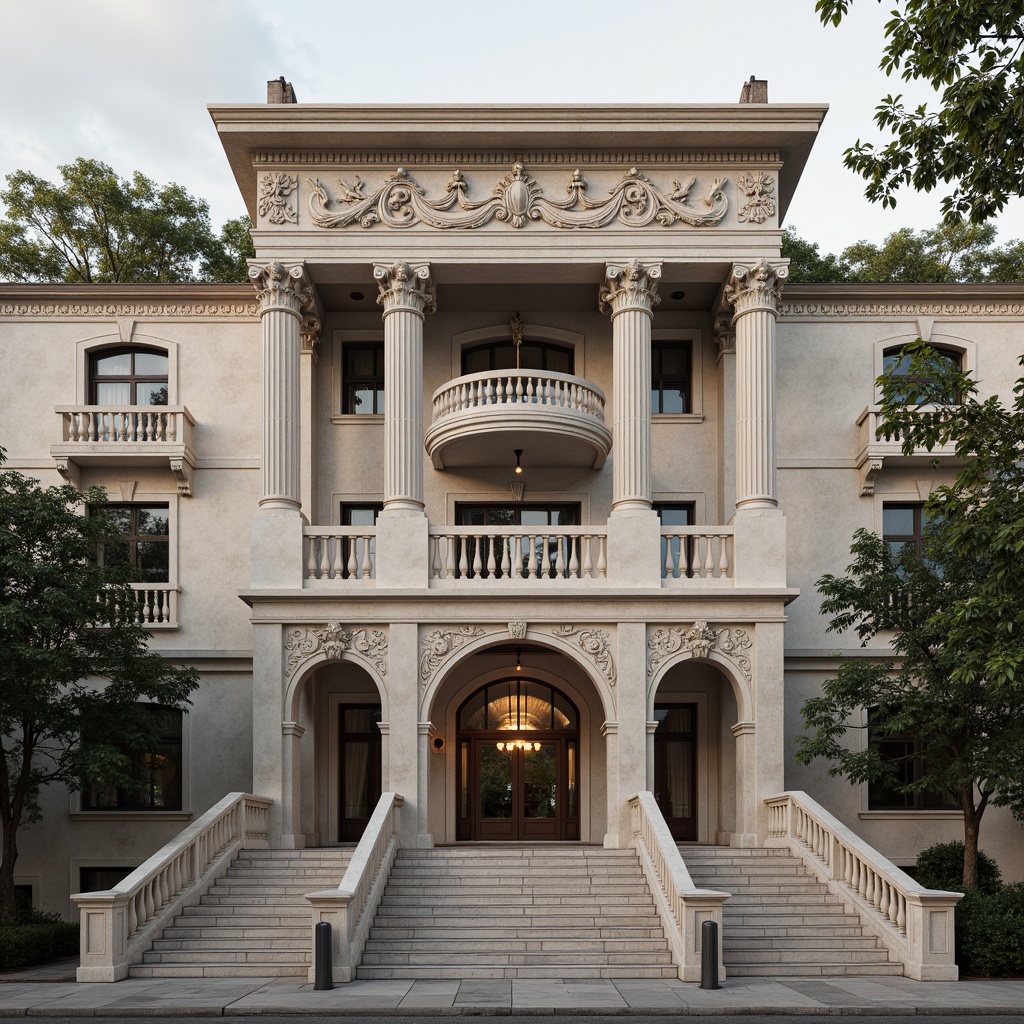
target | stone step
[
  {"x": 441, "y": 958},
  {"x": 515, "y": 915},
  {"x": 235, "y": 943},
  {"x": 443, "y": 931},
  {"x": 470, "y": 948},
  {"x": 409, "y": 972},
  {"x": 180, "y": 930},
  {"x": 219, "y": 970},
  {"x": 824, "y": 970},
  {"x": 249, "y": 957}
]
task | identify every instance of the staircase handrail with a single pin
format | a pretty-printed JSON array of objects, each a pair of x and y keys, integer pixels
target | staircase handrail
[
  {"x": 682, "y": 907},
  {"x": 350, "y": 909},
  {"x": 118, "y": 925},
  {"x": 914, "y": 923}
]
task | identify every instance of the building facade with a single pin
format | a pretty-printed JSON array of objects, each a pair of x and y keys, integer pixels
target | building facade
[{"x": 503, "y": 486}]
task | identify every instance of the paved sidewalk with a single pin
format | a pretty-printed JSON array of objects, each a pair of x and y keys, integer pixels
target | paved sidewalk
[{"x": 46, "y": 992}]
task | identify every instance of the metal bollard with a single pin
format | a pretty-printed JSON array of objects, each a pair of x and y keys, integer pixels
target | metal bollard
[
  {"x": 708, "y": 954},
  {"x": 322, "y": 956}
]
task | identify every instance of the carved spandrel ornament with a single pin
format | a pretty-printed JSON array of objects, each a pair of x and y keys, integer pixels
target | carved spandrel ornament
[
  {"x": 595, "y": 643},
  {"x": 757, "y": 187},
  {"x": 333, "y": 640},
  {"x": 439, "y": 644},
  {"x": 274, "y": 189},
  {"x": 633, "y": 285},
  {"x": 515, "y": 200},
  {"x": 700, "y": 640},
  {"x": 281, "y": 287},
  {"x": 404, "y": 286},
  {"x": 309, "y": 334},
  {"x": 756, "y": 287},
  {"x": 725, "y": 335}
]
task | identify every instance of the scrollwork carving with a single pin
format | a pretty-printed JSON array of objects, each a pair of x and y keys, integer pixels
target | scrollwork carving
[
  {"x": 760, "y": 205},
  {"x": 439, "y": 644},
  {"x": 700, "y": 640},
  {"x": 333, "y": 640},
  {"x": 274, "y": 204},
  {"x": 515, "y": 200},
  {"x": 595, "y": 643}
]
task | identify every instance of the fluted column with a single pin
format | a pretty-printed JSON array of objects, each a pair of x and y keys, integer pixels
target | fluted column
[
  {"x": 629, "y": 294},
  {"x": 284, "y": 294},
  {"x": 406, "y": 295},
  {"x": 755, "y": 293}
]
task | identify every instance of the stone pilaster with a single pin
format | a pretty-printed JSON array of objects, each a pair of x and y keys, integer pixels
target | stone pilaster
[
  {"x": 755, "y": 293},
  {"x": 725, "y": 341},
  {"x": 284, "y": 295},
  {"x": 309, "y": 337},
  {"x": 629, "y": 295},
  {"x": 406, "y": 295}
]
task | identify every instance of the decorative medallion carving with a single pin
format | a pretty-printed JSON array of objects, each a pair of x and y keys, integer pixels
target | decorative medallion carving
[
  {"x": 633, "y": 285},
  {"x": 278, "y": 286},
  {"x": 333, "y": 640},
  {"x": 760, "y": 205},
  {"x": 274, "y": 204},
  {"x": 439, "y": 644},
  {"x": 404, "y": 286},
  {"x": 595, "y": 643},
  {"x": 517, "y": 630},
  {"x": 700, "y": 640},
  {"x": 756, "y": 287},
  {"x": 515, "y": 200}
]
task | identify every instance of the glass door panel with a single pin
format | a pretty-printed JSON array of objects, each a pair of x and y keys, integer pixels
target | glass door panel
[
  {"x": 540, "y": 791},
  {"x": 495, "y": 808},
  {"x": 675, "y": 763}
]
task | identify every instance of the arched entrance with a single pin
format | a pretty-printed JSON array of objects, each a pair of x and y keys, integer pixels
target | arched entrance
[{"x": 518, "y": 763}]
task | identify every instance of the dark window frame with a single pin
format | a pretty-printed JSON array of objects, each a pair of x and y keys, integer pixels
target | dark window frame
[
  {"x": 352, "y": 382},
  {"x": 133, "y": 379},
  {"x": 133, "y": 538},
  {"x": 690, "y": 507},
  {"x": 911, "y": 751},
  {"x": 492, "y": 347},
  {"x": 661, "y": 381},
  {"x": 892, "y": 356},
  {"x": 917, "y": 536}
]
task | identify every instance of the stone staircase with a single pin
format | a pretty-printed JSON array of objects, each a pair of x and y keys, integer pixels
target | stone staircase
[
  {"x": 509, "y": 911},
  {"x": 253, "y": 923},
  {"x": 780, "y": 921}
]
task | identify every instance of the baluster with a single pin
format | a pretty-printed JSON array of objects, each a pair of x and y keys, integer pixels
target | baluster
[
  {"x": 669, "y": 558},
  {"x": 489, "y": 399},
  {"x": 435, "y": 557},
  {"x": 463, "y": 560},
  {"x": 463, "y": 397},
  {"x": 848, "y": 867},
  {"x": 588, "y": 561},
  {"x": 872, "y": 894},
  {"x": 709, "y": 561},
  {"x": 449, "y": 542},
  {"x": 574, "y": 562},
  {"x": 148, "y": 905},
  {"x": 532, "y": 559},
  {"x": 883, "y": 903},
  {"x": 723, "y": 557},
  {"x": 171, "y": 419},
  {"x": 531, "y": 392},
  {"x": 491, "y": 541},
  {"x": 146, "y": 425},
  {"x": 367, "y": 566},
  {"x": 338, "y": 562},
  {"x": 862, "y": 872},
  {"x": 602, "y": 556},
  {"x": 894, "y": 907},
  {"x": 133, "y": 915},
  {"x": 509, "y": 391},
  {"x": 519, "y": 388},
  {"x": 147, "y": 605},
  {"x": 506, "y": 560},
  {"x": 559, "y": 557},
  {"x": 352, "y": 569},
  {"x": 322, "y": 561},
  {"x": 478, "y": 563}
]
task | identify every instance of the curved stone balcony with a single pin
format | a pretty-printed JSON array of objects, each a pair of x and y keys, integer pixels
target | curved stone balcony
[{"x": 556, "y": 418}]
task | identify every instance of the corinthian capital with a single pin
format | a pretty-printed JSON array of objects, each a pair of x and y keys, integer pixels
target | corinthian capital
[
  {"x": 404, "y": 286},
  {"x": 280, "y": 287},
  {"x": 756, "y": 287},
  {"x": 632, "y": 286}
]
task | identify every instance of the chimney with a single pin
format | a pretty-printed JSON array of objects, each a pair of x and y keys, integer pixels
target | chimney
[
  {"x": 280, "y": 91},
  {"x": 754, "y": 91}
]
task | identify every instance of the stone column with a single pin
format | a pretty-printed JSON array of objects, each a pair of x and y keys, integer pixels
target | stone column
[
  {"x": 406, "y": 296},
  {"x": 309, "y": 336},
  {"x": 292, "y": 837},
  {"x": 284, "y": 294},
  {"x": 725, "y": 339},
  {"x": 755, "y": 294},
  {"x": 629, "y": 296}
]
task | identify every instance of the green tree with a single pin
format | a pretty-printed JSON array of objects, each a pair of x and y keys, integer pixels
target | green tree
[
  {"x": 74, "y": 664},
  {"x": 952, "y": 614},
  {"x": 97, "y": 227},
  {"x": 972, "y": 141},
  {"x": 226, "y": 260},
  {"x": 807, "y": 264}
]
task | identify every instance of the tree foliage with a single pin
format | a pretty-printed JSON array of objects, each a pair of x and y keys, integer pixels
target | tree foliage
[
  {"x": 74, "y": 663},
  {"x": 951, "y": 613},
  {"x": 972, "y": 141},
  {"x": 97, "y": 227}
]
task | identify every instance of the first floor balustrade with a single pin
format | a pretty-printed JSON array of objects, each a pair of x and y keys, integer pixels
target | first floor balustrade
[{"x": 874, "y": 452}]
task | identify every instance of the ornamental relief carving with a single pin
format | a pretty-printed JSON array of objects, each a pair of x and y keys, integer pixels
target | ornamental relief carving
[
  {"x": 758, "y": 286},
  {"x": 333, "y": 640},
  {"x": 274, "y": 204},
  {"x": 700, "y": 640},
  {"x": 438, "y": 645},
  {"x": 280, "y": 286},
  {"x": 595, "y": 643},
  {"x": 517, "y": 199},
  {"x": 757, "y": 186},
  {"x": 142, "y": 310}
]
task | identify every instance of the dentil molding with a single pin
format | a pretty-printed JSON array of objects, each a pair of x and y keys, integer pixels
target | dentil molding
[
  {"x": 333, "y": 640},
  {"x": 700, "y": 640},
  {"x": 517, "y": 199}
]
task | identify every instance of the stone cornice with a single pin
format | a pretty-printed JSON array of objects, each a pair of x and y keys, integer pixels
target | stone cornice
[
  {"x": 832, "y": 302},
  {"x": 145, "y": 301}
]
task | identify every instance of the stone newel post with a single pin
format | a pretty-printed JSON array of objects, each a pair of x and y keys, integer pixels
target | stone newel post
[
  {"x": 755, "y": 293},
  {"x": 284, "y": 295},
  {"x": 406, "y": 296}
]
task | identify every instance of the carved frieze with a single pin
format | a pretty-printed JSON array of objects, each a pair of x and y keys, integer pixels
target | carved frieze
[
  {"x": 700, "y": 640},
  {"x": 874, "y": 310},
  {"x": 595, "y": 643},
  {"x": 274, "y": 204},
  {"x": 757, "y": 187},
  {"x": 105, "y": 309},
  {"x": 439, "y": 644},
  {"x": 333, "y": 640},
  {"x": 517, "y": 199}
]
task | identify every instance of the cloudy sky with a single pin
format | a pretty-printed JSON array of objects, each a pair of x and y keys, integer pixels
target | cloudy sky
[{"x": 127, "y": 81}]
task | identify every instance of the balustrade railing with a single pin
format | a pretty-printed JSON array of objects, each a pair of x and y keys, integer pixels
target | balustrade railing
[
  {"x": 696, "y": 552},
  {"x": 683, "y": 907},
  {"x": 126, "y": 424},
  {"x": 914, "y": 923},
  {"x": 518, "y": 387},
  {"x": 118, "y": 925},
  {"x": 518, "y": 553},
  {"x": 153, "y": 605},
  {"x": 339, "y": 552},
  {"x": 351, "y": 907}
]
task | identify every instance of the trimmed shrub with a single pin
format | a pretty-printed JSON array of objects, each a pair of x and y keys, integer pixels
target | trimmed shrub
[
  {"x": 42, "y": 938},
  {"x": 990, "y": 933},
  {"x": 942, "y": 867}
]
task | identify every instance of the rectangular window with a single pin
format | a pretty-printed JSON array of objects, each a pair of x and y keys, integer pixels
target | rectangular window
[
  {"x": 676, "y": 552},
  {"x": 908, "y": 754},
  {"x": 671, "y": 376},
  {"x": 363, "y": 378},
  {"x": 157, "y": 771},
  {"x": 101, "y": 879},
  {"x": 139, "y": 535},
  {"x": 903, "y": 524}
]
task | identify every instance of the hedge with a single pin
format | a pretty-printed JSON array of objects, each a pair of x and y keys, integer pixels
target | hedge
[{"x": 38, "y": 941}]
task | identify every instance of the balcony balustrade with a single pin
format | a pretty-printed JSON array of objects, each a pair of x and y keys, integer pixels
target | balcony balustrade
[
  {"x": 155, "y": 605},
  {"x": 691, "y": 553},
  {"x": 556, "y": 417},
  {"x": 136, "y": 435},
  {"x": 874, "y": 451},
  {"x": 338, "y": 553}
]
